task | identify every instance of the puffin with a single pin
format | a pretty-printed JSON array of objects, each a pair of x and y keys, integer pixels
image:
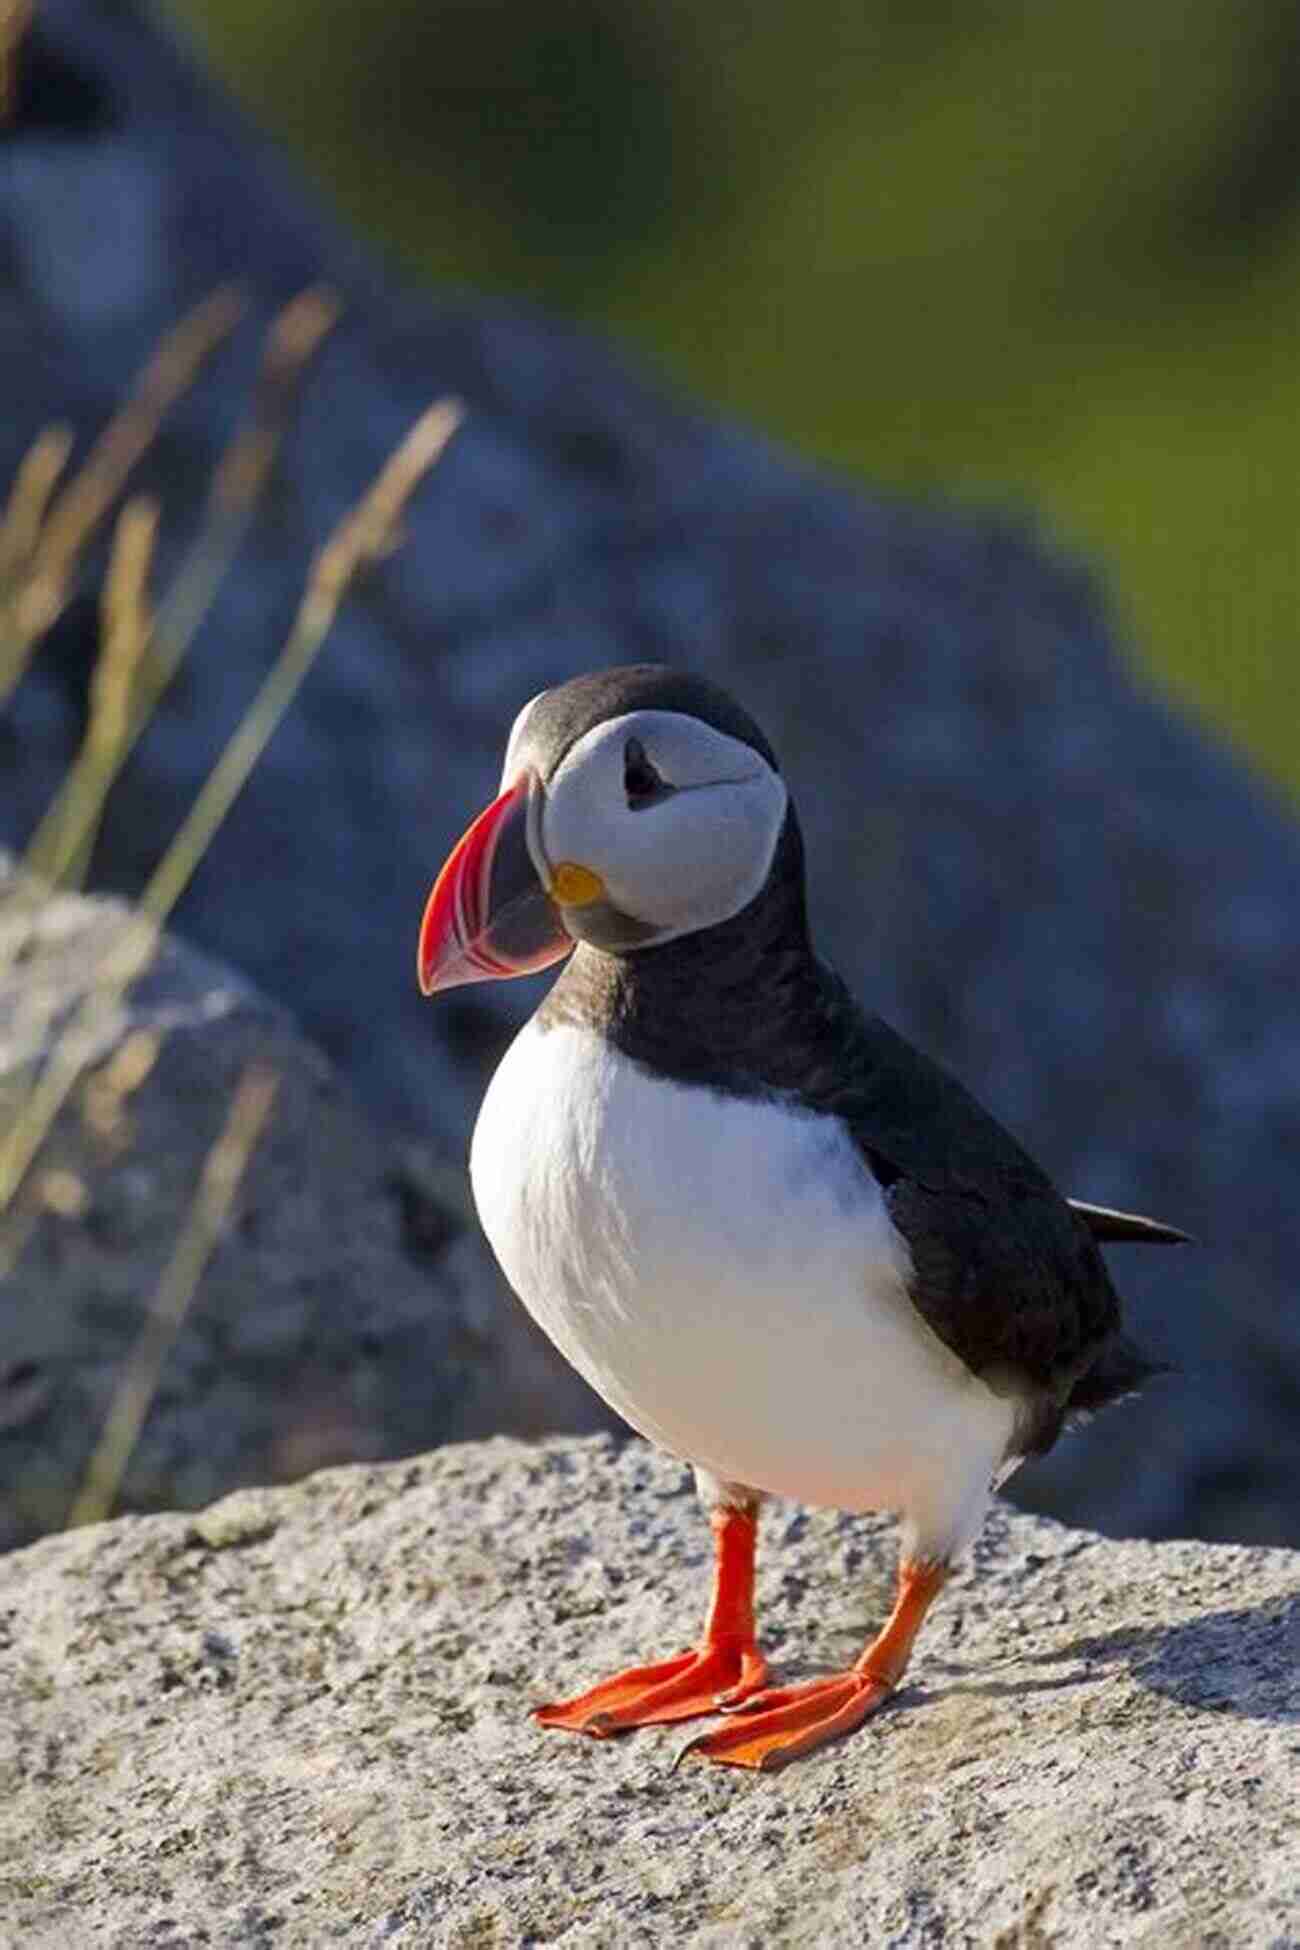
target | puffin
[{"x": 782, "y": 1243}]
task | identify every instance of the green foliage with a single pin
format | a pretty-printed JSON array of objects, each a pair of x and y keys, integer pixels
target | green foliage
[{"x": 1038, "y": 255}]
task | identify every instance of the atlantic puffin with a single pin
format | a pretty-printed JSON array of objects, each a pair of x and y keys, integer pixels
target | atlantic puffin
[{"x": 783, "y": 1244}]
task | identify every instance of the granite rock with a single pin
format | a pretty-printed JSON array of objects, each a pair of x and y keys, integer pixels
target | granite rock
[{"x": 301, "y": 1718}]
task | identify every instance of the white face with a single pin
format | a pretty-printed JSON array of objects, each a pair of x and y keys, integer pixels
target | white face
[{"x": 679, "y": 821}]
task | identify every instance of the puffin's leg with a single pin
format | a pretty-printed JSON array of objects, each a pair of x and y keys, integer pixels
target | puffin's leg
[
  {"x": 725, "y": 1668},
  {"x": 778, "y": 1725}
]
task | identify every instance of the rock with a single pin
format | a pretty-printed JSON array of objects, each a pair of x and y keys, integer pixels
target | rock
[
  {"x": 1018, "y": 854},
  {"x": 349, "y": 1311},
  {"x": 303, "y": 1719}
]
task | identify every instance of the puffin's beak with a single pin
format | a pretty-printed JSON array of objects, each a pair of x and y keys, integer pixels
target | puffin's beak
[{"x": 489, "y": 916}]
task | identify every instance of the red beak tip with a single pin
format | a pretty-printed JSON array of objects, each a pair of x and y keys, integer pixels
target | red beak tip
[
  {"x": 459, "y": 938},
  {"x": 424, "y": 956}
]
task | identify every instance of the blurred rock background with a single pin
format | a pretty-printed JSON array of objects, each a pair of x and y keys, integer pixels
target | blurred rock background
[
  {"x": 1040, "y": 257},
  {"x": 1031, "y": 863}
]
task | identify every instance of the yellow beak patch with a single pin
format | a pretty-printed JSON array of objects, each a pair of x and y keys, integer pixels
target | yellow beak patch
[{"x": 575, "y": 886}]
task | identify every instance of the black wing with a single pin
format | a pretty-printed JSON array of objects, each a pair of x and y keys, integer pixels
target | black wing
[{"x": 1005, "y": 1271}]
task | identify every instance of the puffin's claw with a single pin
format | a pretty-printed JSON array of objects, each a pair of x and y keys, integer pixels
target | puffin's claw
[{"x": 700, "y": 1681}]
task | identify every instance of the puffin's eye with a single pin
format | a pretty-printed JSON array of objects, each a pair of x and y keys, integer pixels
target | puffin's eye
[{"x": 641, "y": 782}]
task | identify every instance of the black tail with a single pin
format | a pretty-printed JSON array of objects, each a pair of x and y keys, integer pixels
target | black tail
[{"x": 1104, "y": 1223}]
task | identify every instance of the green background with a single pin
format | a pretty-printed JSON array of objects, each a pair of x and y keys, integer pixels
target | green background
[{"x": 1043, "y": 256}]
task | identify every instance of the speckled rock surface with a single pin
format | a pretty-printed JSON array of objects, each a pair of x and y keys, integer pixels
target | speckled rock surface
[
  {"x": 301, "y": 1718},
  {"x": 1017, "y": 854}
]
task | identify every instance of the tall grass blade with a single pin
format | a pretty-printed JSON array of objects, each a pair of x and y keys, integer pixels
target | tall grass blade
[
  {"x": 29, "y": 500},
  {"x": 85, "y": 501},
  {"x": 15, "y": 18},
  {"x": 222, "y": 1172},
  {"x": 63, "y": 852},
  {"x": 60, "y": 848},
  {"x": 363, "y": 537}
]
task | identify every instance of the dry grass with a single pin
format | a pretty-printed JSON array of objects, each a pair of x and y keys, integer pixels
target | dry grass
[
  {"x": 362, "y": 538},
  {"x": 223, "y": 1170},
  {"x": 44, "y": 534},
  {"x": 26, "y": 509},
  {"x": 15, "y": 18},
  {"x": 60, "y": 848},
  {"x": 70, "y": 521}
]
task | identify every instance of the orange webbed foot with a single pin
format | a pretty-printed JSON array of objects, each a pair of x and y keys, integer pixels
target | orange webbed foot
[
  {"x": 779, "y": 1725},
  {"x": 724, "y": 1669},
  {"x": 705, "y": 1680}
]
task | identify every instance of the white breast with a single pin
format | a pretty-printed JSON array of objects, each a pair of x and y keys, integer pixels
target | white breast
[{"x": 725, "y": 1274}]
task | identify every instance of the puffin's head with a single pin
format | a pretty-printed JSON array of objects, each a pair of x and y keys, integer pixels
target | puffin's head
[{"x": 636, "y": 804}]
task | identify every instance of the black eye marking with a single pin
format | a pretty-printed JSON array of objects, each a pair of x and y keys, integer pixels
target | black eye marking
[{"x": 641, "y": 782}]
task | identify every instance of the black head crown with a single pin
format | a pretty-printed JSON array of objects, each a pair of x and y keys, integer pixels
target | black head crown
[{"x": 558, "y": 718}]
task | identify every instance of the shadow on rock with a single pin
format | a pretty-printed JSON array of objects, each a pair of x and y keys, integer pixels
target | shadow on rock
[{"x": 1243, "y": 1661}]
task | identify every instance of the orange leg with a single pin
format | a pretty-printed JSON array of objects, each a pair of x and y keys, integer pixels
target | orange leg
[
  {"x": 778, "y": 1725},
  {"x": 725, "y": 1668}
]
